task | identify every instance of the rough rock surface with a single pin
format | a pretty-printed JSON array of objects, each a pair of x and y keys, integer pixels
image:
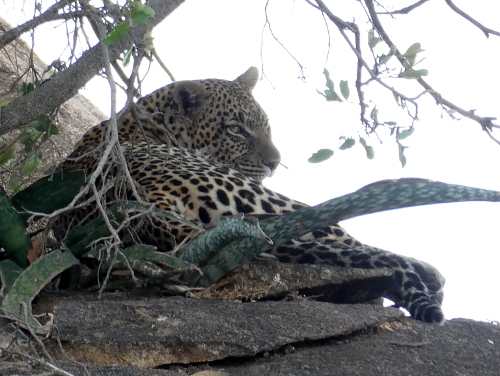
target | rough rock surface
[
  {"x": 179, "y": 330},
  {"x": 129, "y": 334},
  {"x": 141, "y": 333},
  {"x": 459, "y": 347},
  {"x": 266, "y": 279}
]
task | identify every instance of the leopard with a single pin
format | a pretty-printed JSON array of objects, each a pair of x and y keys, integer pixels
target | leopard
[{"x": 201, "y": 149}]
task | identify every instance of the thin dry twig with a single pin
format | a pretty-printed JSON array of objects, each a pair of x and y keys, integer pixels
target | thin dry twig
[
  {"x": 162, "y": 64},
  {"x": 50, "y": 14},
  {"x": 55, "y": 370},
  {"x": 268, "y": 24},
  {"x": 407, "y": 9},
  {"x": 487, "y": 31},
  {"x": 33, "y": 334}
]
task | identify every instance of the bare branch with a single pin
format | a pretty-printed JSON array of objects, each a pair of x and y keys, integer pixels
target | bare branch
[
  {"x": 162, "y": 64},
  {"x": 407, "y": 9},
  {"x": 358, "y": 83},
  {"x": 488, "y": 132},
  {"x": 340, "y": 23},
  {"x": 281, "y": 44},
  {"x": 50, "y": 14},
  {"x": 484, "y": 29}
]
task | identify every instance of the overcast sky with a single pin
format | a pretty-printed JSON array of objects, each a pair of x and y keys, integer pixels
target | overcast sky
[{"x": 222, "y": 38}]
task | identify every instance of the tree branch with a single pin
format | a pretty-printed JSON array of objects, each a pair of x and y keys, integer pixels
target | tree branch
[
  {"x": 407, "y": 9},
  {"x": 484, "y": 29},
  {"x": 49, "y": 15},
  {"x": 485, "y": 122},
  {"x": 65, "y": 85},
  {"x": 344, "y": 25}
]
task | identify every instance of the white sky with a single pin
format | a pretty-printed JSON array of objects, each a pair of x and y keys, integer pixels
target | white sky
[{"x": 222, "y": 38}]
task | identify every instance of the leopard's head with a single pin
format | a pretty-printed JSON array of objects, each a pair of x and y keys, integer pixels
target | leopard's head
[{"x": 222, "y": 119}]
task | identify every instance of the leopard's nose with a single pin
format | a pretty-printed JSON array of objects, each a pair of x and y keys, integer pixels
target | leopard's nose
[
  {"x": 270, "y": 157},
  {"x": 273, "y": 165}
]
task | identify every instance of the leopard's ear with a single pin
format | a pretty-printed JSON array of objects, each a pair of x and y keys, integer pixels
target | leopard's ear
[
  {"x": 189, "y": 95},
  {"x": 249, "y": 78}
]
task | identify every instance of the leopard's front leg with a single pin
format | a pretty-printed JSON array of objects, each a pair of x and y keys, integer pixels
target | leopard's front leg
[{"x": 417, "y": 285}]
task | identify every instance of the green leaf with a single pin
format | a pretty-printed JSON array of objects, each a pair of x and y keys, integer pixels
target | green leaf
[
  {"x": 32, "y": 163},
  {"x": 348, "y": 143},
  {"x": 117, "y": 34},
  {"x": 13, "y": 238},
  {"x": 158, "y": 267},
  {"x": 54, "y": 130},
  {"x": 411, "y": 53},
  {"x": 15, "y": 185},
  {"x": 29, "y": 284},
  {"x": 405, "y": 133},
  {"x": 126, "y": 57},
  {"x": 4, "y": 102},
  {"x": 320, "y": 156},
  {"x": 402, "y": 157},
  {"x": 82, "y": 237},
  {"x": 8, "y": 154},
  {"x": 372, "y": 39},
  {"x": 344, "y": 89},
  {"x": 27, "y": 88},
  {"x": 9, "y": 272},
  {"x": 141, "y": 13},
  {"x": 330, "y": 93},
  {"x": 41, "y": 124},
  {"x": 383, "y": 59},
  {"x": 411, "y": 73},
  {"x": 332, "y": 96},
  {"x": 370, "y": 153},
  {"x": 397, "y": 98},
  {"x": 49, "y": 193}
]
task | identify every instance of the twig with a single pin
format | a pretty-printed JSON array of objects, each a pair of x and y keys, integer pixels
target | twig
[
  {"x": 33, "y": 334},
  {"x": 281, "y": 44},
  {"x": 358, "y": 84},
  {"x": 487, "y": 31},
  {"x": 55, "y": 369},
  {"x": 488, "y": 132},
  {"x": 50, "y": 14},
  {"x": 165, "y": 68},
  {"x": 407, "y": 9},
  {"x": 7, "y": 147}
]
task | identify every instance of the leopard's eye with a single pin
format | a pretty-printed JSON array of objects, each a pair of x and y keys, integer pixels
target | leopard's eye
[{"x": 237, "y": 130}]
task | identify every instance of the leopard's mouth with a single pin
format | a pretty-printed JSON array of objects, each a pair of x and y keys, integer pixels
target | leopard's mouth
[{"x": 269, "y": 171}]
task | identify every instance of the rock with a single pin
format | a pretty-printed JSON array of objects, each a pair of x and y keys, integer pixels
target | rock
[
  {"x": 266, "y": 279},
  {"x": 459, "y": 347},
  {"x": 157, "y": 331},
  {"x": 130, "y": 333}
]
